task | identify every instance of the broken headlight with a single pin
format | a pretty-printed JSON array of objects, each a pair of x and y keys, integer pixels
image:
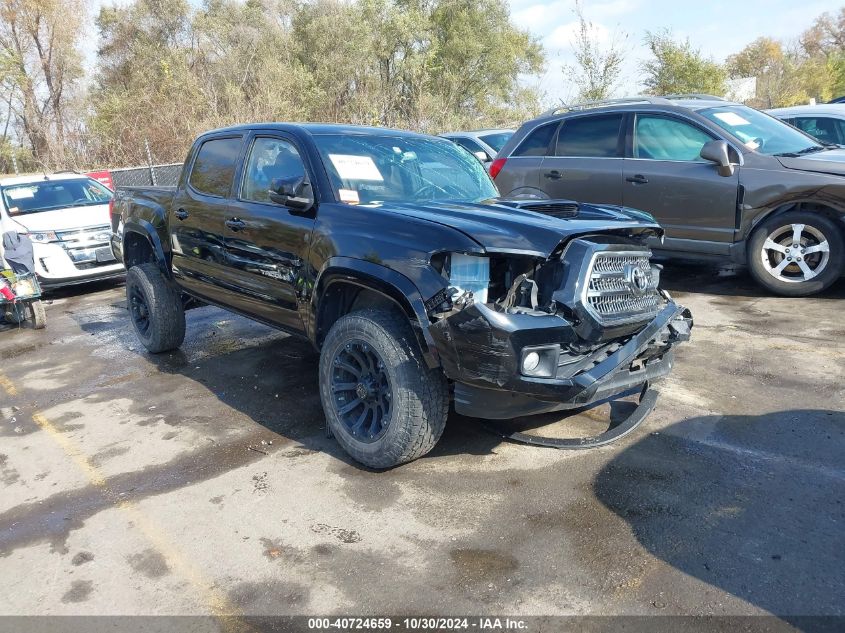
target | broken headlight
[{"x": 469, "y": 273}]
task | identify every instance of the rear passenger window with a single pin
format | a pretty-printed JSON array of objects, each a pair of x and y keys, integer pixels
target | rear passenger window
[
  {"x": 537, "y": 143},
  {"x": 590, "y": 136},
  {"x": 214, "y": 167}
]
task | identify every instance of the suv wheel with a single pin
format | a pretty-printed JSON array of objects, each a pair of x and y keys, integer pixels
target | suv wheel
[
  {"x": 382, "y": 403},
  {"x": 796, "y": 254},
  {"x": 155, "y": 308}
]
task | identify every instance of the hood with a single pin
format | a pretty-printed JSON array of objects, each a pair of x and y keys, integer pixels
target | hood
[
  {"x": 65, "y": 219},
  {"x": 509, "y": 227},
  {"x": 830, "y": 161}
]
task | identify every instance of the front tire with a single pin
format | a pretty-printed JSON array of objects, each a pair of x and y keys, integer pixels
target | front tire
[
  {"x": 382, "y": 402},
  {"x": 155, "y": 308},
  {"x": 796, "y": 254}
]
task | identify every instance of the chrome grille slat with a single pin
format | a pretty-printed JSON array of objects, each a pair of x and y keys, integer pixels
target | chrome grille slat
[{"x": 609, "y": 294}]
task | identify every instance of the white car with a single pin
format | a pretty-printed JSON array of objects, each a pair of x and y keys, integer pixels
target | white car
[
  {"x": 67, "y": 218},
  {"x": 483, "y": 144},
  {"x": 826, "y": 121}
]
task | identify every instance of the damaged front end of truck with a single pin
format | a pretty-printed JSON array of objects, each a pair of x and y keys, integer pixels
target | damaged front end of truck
[{"x": 582, "y": 325}]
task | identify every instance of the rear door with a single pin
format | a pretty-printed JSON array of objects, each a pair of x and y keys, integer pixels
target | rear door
[
  {"x": 665, "y": 176},
  {"x": 266, "y": 243},
  {"x": 197, "y": 216},
  {"x": 520, "y": 176},
  {"x": 585, "y": 163}
]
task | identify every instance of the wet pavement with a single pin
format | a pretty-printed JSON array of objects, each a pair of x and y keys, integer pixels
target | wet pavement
[{"x": 201, "y": 481}]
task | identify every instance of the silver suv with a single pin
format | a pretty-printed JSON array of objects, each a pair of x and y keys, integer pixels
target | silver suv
[{"x": 727, "y": 182}]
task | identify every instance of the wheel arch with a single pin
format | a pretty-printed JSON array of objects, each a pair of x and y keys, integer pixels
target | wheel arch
[
  {"x": 347, "y": 284},
  {"x": 141, "y": 244},
  {"x": 830, "y": 209}
]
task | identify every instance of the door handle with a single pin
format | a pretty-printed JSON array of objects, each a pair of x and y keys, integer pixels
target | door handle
[
  {"x": 235, "y": 224},
  {"x": 639, "y": 179},
  {"x": 181, "y": 214},
  {"x": 553, "y": 175}
]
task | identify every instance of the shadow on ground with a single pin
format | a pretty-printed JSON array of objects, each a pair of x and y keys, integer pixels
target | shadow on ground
[
  {"x": 766, "y": 521},
  {"x": 714, "y": 280}
]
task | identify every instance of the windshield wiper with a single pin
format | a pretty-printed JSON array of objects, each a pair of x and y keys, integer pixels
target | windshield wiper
[{"x": 807, "y": 150}]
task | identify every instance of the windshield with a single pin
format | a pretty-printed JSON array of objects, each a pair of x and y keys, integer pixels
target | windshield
[
  {"x": 497, "y": 141},
  {"x": 761, "y": 132},
  {"x": 49, "y": 195},
  {"x": 376, "y": 168}
]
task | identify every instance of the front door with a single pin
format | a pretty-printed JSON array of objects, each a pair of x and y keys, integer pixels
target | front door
[
  {"x": 266, "y": 243},
  {"x": 586, "y": 162},
  {"x": 666, "y": 176},
  {"x": 197, "y": 215}
]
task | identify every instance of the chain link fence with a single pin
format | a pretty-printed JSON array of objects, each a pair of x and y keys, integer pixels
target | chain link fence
[{"x": 154, "y": 175}]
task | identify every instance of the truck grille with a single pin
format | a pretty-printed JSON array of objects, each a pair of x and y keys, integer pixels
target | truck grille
[{"x": 622, "y": 287}]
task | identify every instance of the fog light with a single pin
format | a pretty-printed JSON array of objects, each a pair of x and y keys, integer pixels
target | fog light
[
  {"x": 530, "y": 362},
  {"x": 539, "y": 361}
]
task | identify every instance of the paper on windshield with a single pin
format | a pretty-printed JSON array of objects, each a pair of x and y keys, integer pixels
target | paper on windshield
[
  {"x": 19, "y": 193},
  {"x": 351, "y": 167},
  {"x": 349, "y": 196},
  {"x": 731, "y": 118}
]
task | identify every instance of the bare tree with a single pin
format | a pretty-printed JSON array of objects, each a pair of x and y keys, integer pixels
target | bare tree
[
  {"x": 39, "y": 69},
  {"x": 596, "y": 70}
]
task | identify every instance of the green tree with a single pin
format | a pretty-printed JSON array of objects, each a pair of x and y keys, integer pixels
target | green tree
[
  {"x": 779, "y": 74},
  {"x": 676, "y": 68},
  {"x": 597, "y": 68},
  {"x": 823, "y": 50}
]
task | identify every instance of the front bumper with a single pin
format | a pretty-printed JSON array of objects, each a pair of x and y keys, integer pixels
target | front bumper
[
  {"x": 480, "y": 349},
  {"x": 55, "y": 265}
]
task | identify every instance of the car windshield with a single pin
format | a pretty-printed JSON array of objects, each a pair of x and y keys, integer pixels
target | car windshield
[
  {"x": 49, "y": 195},
  {"x": 497, "y": 141},
  {"x": 368, "y": 169},
  {"x": 761, "y": 132}
]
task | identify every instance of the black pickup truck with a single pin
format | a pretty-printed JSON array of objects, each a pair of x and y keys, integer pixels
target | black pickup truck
[{"x": 391, "y": 252}]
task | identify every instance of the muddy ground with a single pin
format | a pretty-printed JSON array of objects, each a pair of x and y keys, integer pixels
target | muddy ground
[{"x": 201, "y": 482}]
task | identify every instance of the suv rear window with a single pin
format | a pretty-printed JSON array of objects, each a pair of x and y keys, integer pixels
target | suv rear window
[
  {"x": 214, "y": 167},
  {"x": 537, "y": 143},
  {"x": 590, "y": 136}
]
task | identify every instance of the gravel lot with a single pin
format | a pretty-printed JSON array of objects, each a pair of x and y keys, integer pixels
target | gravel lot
[{"x": 201, "y": 482}]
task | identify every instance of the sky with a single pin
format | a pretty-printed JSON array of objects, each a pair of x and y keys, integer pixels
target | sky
[{"x": 717, "y": 27}]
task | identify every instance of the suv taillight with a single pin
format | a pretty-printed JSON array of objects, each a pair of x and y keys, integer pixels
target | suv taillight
[
  {"x": 111, "y": 207},
  {"x": 496, "y": 167}
]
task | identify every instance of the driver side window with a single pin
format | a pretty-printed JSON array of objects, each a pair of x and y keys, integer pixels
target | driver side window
[
  {"x": 662, "y": 138},
  {"x": 269, "y": 159}
]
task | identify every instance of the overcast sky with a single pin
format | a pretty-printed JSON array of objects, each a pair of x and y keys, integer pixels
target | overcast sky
[{"x": 717, "y": 27}]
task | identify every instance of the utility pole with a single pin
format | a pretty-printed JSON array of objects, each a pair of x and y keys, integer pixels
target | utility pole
[{"x": 150, "y": 163}]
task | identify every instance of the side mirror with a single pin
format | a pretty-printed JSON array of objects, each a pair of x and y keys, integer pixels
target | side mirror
[
  {"x": 294, "y": 193},
  {"x": 482, "y": 156},
  {"x": 717, "y": 152}
]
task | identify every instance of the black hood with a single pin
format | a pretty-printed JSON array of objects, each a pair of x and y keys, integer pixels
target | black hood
[
  {"x": 510, "y": 227},
  {"x": 830, "y": 161}
]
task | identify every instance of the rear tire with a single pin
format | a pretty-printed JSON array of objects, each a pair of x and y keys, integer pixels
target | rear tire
[
  {"x": 815, "y": 264},
  {"x": 155, "y": 308},
  {"x": 382, "y": 402}
]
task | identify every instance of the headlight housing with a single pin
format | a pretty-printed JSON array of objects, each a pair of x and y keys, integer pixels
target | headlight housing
[
  {"x": 470, "y": 273},
  {"x": 42, "y": 237}
]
